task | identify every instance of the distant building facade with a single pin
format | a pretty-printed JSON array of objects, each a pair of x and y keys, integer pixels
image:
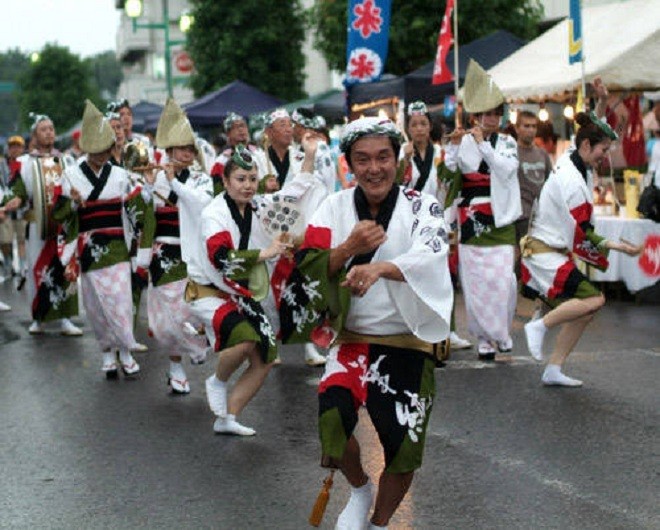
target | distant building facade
[{"x": 142, "y": 55}]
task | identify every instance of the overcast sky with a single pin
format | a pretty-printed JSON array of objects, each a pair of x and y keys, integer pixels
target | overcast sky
[{"x": 86, "y": 27}]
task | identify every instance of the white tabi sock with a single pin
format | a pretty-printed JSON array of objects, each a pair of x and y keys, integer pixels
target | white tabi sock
[
  {"x": 216, "y": 394},
  {"x": 553, "y": 376},
  {"x": 229, "y": 425},
  {"x": 177, "y": 371},
  {"x": 373, "y": 526},
  {"x": 125, "y": 357},
  {"x": 534, "y": 333},
  {"x": 356, "y": 512}
]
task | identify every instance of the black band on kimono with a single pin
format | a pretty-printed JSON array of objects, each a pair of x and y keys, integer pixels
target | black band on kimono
[
  {"x": 579, "y": 164},
  {"x": 281, "y": 166},
  {"x": 182, "y": 177},
  {"x": 167, "y": 223},
  {"x": 382, "y": 218},
  {"x": 97, "y": 216},
  {"x": 423, "y": 166},
  {"x": 244, "y": 223},
  {"x": 484, "y": 167},
  {"x": 99, "y": 182}
]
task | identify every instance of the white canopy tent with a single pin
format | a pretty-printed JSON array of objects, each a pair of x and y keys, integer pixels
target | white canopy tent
[{"x": 621, "y": 44}]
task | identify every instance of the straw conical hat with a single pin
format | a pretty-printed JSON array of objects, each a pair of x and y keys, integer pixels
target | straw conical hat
[
  {"x": 96, "y": 133},
  {"x": 480, "y": 93},
  {"x": 174, "y": 129}
]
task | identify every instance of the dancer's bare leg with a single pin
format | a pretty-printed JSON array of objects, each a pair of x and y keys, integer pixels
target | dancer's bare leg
[{"x": 392, "y": 488}]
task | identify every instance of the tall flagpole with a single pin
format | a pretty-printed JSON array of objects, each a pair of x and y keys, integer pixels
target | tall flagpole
[
  {"x": 457, "y": 113},
  {"x": 584, "y": 57}
]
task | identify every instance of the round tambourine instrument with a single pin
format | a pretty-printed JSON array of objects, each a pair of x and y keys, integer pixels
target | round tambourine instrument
[{"x": 47, "y": 175}]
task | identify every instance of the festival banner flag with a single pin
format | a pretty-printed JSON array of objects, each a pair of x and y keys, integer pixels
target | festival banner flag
[
  {"x": 441, "y": 72},
  {"x": 649, "y": 261},
  {"x": 574, "y": 32},
  {"x": 368, "y": 36}
]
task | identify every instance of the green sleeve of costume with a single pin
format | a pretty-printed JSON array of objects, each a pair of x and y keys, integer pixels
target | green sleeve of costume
[
  {"x": 64, "y": 213},
  {"x": 313, "y": 300},
  {"x": 137, "y": 202},
  {"x": 17, "y": 189},
  {"x": 218, "y": 188},
  {"x": 247, "y": 259},
  {"x": 599, "y": 242},
  {"x": 148, "y": 226},
  {"x": 453, "y": 178},
  {"x": 400, "y": 172}
]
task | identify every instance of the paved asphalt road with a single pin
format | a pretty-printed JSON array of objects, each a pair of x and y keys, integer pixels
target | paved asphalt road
[{"x": 503, "y": 452}]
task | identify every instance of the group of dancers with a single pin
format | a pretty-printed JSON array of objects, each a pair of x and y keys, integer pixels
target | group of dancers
[{"x": 255, "y": 247}]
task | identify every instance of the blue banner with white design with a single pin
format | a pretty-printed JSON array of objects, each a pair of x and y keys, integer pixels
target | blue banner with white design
[
  {"x": 574, "y": 33},
  {"x": 368, "y": 35}
]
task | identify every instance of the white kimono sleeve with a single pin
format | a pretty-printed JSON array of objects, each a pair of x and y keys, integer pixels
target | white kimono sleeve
[
  {"x": 426, "y": 297},
  {"x": 504, "y": 184}
]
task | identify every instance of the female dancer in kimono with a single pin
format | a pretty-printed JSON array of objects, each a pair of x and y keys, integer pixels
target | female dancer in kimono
[
  {"x": 227, "y": 272},
  {"x": 423, "y": 162},
  {"x": 179, "y": 195},
  {"x": 97, "y": 207},
  {"x": 562, "y": 228},
  {"x": 487, "y": 179}
]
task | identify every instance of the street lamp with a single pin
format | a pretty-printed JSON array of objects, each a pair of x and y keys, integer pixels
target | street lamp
[
  {"x": 185, "y": 22},
  {"x": 133, "y": 8}
]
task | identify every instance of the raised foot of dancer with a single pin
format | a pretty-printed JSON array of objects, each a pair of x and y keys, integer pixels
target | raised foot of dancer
[
  {"x": 312, "y": 356},
  {"x": 138, "y": 347},
  {"x": 534, "y": 333},
  {"x": 456, "y": 342},
  {"x": 199, "y": 358},
  {"x": 355, "y": 515},
  {"x": 36, "y": 328},
  {"x": 553, "y": 376},
  {"x": 216, "y": 394},
  {"x": 68, "y": 329},
  {"x": 229, "y": 425}
]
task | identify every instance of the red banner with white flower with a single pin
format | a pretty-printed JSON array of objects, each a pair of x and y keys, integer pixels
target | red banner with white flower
[
  {"x": 649, "y": 261},
  {"x": 441, "y": 72},
  {"x": 368, "y": 35}
]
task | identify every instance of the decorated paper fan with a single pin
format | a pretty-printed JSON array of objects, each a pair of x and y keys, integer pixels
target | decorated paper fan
[{"x": 282, "y": 215}]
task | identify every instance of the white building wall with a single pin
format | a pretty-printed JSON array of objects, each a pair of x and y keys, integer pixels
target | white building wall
[{"x": 144, "y": 77}]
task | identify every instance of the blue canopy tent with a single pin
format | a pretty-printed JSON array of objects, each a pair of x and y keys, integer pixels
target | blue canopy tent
[
  {"x": 209, "y": 111},
  {"x": 142, "y": 110}
]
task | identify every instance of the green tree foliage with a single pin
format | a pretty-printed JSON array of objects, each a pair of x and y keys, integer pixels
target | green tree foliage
[
  {"x": 256, "y": 41},
  {"x": 12, "y": 64},
  {"x": 57, "y": 85},
  {"x": 107, "y": 73},
  {"x": 415, "y": 24}
]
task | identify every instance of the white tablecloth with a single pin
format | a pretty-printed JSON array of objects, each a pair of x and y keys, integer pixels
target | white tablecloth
[{"x": 623, "y": 267}]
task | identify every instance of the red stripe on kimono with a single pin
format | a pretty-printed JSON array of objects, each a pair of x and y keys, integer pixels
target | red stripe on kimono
[
  {"x": 559, "y": 282},
  {"x": 221, "y": 313},
  {"x": 583, "y": 247},
  {"x": 351, "y": 375},
  {"x": 318, "y": 237}
]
